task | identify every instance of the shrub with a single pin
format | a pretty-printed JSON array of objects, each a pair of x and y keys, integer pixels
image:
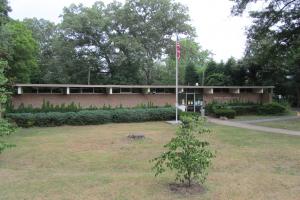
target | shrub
[
  {"x": 272, "y": 108},
  {"x": 48, "y": 107},
  {"x": 187, "y": 155},
  {"x": 225, "y": 112},
  {"x": 188, "y": 114},
  {"x": 211, "y": 107},
  {"x": 5, "y": 129},
  {"x": 91, "y": 117},
  {"x": 244, "y": 109}
]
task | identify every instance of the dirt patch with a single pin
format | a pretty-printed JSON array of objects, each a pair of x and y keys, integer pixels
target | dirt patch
[
  {"x": 138, "y": 136},
  {"x": 185, "y": 189}
]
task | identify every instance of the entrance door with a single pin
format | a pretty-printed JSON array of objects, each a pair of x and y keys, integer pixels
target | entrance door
[{"x": 190, "y": 102}]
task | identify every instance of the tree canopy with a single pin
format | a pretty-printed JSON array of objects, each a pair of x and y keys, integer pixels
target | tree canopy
[
  {"x": 272, "y": 51},
  {"x": 21, "y": 49},
  {"x": 118, "y": 43}
]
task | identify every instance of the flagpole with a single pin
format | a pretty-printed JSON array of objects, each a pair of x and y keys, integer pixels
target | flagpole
[{"x": 176, "y": 78}]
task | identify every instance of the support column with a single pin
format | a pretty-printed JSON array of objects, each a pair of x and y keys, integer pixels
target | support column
[
  {"x": 146, "y": 90},
  {"x": 20, "y": 90},
  {"x": 109, "y": 90}
]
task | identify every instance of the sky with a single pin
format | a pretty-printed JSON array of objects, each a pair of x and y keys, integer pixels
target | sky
[{"x": 217, "y": 31}]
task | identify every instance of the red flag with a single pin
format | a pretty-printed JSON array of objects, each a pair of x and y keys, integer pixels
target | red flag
[{"x": 178, "y": 49}]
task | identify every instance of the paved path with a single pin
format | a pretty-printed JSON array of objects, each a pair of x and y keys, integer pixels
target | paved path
[
  {"x": 252, "y": 127},
  {"x": 269, "y": 119}
]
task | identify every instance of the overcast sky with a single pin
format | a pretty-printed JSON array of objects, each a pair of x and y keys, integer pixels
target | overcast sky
[{"x": 217, "y": 31}]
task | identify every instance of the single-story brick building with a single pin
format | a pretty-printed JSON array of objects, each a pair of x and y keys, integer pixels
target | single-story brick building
[{"x": 132, "y": 95}]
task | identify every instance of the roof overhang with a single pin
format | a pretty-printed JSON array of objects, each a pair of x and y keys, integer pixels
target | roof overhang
[{"x": 134, "y": 86}]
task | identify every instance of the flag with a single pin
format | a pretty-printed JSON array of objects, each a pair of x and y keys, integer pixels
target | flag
[{"x": 178, "y": 49}]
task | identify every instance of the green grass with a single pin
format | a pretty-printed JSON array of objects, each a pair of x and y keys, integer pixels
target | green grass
[
  {"x": 99, "y": 162},
  {"x": 255, "y": 117},
  {"x": 293, "y": 124}
]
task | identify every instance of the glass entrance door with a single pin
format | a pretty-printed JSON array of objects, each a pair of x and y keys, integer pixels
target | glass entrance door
[{"x": 190, "y": 100}]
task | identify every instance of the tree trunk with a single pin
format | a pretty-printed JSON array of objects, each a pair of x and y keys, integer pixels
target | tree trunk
[{"x": 189, "y": 178}]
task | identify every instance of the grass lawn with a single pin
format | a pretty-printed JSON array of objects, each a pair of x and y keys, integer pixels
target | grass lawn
[
  {"x": 254, "y": 117},
  {"x": 99, "y": 162},
  {"x": 293, "y": 124}
]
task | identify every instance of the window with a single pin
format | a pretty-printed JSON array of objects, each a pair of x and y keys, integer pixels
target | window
[
  {"x": 29, "y": 90},
  {"x": 87, "y": 90},
  {"x": 100, "y": 90},
  {"x": 43, "y": 90},
  {"x": 225, "y": 90},
  {"x": 217, "y": 90},
  {"x": 170, "y": 90},
  {"x": 245, "y": 90},
  {"x": 137, "y": 90},
  {"x": 198, "y": 90},
  {"x": 125, "y": 90},
  {"x": 116, "y": 90},
  {"x": 75, "y": 90},
  {"x": 190, "y": 90},
  {"x": 57, "y": 90},
  {"x": 152, "y": 90},
  {"x": 160, "y": 90}
]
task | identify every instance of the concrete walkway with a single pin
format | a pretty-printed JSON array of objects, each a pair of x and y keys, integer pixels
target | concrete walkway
[
  {"x": 252, "y": 127},
  {"x": 269, "y": 119}
]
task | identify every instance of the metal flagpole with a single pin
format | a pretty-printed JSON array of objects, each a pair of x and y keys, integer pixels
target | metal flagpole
[{"x": 176, "y": 79}]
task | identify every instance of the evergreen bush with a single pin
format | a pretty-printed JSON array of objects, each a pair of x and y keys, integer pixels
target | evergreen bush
[{"x": 91, "y": 117}]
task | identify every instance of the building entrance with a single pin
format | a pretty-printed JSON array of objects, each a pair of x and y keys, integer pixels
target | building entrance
[{"x": 192, "y": 101}]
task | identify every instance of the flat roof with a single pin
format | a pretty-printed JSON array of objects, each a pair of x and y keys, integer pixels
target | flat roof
[{"x": 131, "y": 86}]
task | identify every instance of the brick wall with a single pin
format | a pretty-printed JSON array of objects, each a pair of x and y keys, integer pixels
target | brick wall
[
  {"x": 99, "y": 100},
  {"x": 226, "y": 97},
  {"x": 128, "y": 100}
]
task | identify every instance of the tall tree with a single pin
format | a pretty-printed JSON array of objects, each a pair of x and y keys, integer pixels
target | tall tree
[
  {"x": 191, "y": 53},
  {"x": 154, "y": 23},
  {"x": 123, "y": 41},
  {"x": 4, "y": 10},
  {"x": 44, "y": 32},
  {"x": 191, "y": 75},
  {"x": 21, "y": 50},
  {"x": 273, "y": 43},
  {"x": 5, "y": 127}
]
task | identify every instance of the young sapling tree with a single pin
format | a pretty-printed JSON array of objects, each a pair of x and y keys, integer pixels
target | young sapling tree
[{"x": 186, "y": 153}]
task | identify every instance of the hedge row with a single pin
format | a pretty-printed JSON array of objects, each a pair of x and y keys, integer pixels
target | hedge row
[
  {"x": 272, "y": 109},
  {"x": 72, "y": 107},
  {"x": 225, "y": 112},
  {"x": 230, "y": 110},
  {"x": 91, "y": 117}
]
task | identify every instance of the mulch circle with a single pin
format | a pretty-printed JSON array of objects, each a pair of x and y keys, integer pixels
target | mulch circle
[
  {"x": 185, "y": 189},
  {"x": 136, "y": 136}
]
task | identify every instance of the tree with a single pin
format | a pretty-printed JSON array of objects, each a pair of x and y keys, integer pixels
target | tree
[
  {"x": 217, "y": 79},
  {"x": 5, "y": 127},
  {"x": 123, "y": 41},
  {"x": 154, "y": 23},
  {"x": 273, "y": 43},
  {"x": 191, "y": 53},
  {"x": 44, "y": 33},
  {"x": 187, "y": 155},
  {"x": 191, "y": 75},
  {"x": 219, "y": 74},
  {"x": 20, "y": 49},
  {"x": 4, "y": 10}
]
